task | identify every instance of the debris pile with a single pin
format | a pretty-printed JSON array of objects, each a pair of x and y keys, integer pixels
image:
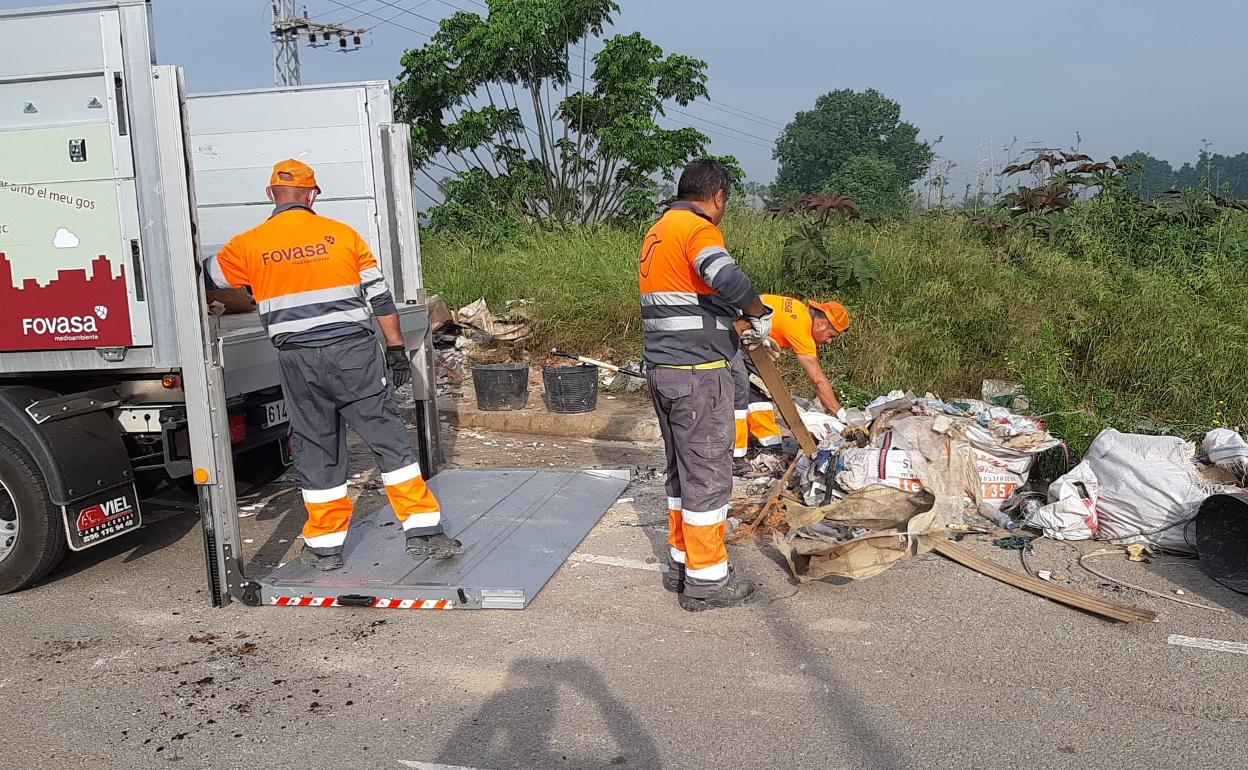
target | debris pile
[
  {"x": 474, "y": 334},
  {"x": 903, "y": 475},
  {"x": 1133, "y": 488}
]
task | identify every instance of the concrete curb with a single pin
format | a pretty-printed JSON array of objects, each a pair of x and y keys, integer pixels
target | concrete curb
[{"x": 611, "y": 421}]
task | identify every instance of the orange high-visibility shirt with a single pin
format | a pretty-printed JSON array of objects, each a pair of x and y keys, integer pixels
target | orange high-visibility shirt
[
  {"x": 791, "y": 324},
  {"x": 691, "y": 290},
  {"x": 307, "y": 272}
]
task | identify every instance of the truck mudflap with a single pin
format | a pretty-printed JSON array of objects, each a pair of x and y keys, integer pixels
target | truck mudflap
[
  {"x": 73, "y": 441},
  {"x": 102, "y": 517},
  {"x": 518, "y": 527}
]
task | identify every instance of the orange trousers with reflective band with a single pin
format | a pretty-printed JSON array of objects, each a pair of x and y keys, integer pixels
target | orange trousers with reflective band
[
  {"x": 327, "y": 389},
  {"x": 694, "y": 408}
]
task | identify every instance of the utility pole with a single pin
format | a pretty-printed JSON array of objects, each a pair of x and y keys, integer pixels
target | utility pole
[
  {"x": 285, "y": 45},
  {"x": 287, "y": 31}
]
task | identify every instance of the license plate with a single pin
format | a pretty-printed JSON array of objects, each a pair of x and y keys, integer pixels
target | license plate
[
  {"x": 103, "y": 517},
  {"x": 274, "y": 413}
]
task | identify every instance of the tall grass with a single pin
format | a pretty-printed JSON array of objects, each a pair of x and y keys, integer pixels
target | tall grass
[{"x": 1097, "y": 342}]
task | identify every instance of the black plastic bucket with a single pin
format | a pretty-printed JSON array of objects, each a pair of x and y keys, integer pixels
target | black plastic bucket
[
  {"x": 571, "y": 389},
  {"x": 1222, "y": 539},
  {"x": 501, "y": 387}
]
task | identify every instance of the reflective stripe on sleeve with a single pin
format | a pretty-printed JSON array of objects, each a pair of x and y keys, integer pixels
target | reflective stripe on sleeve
[
  {"x": 678, "y": 556},
  {"x": 673, "y": 503},
  {"x": 761, "y": 406},
  {"x": 216, "y": 274}
]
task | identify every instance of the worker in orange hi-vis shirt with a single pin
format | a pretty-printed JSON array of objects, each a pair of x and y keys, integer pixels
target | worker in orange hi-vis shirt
[
  {"x": 319, "y": 289},
  {"x": 800, "y": 327},
  {"x": 692, "y": 292}
]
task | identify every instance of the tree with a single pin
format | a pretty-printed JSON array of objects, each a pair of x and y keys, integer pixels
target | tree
[
  {"x": 846, "y": 124},
  {"x": 756, "y": 194},
  {"x": 584, "y": 147},
  {"x": 874, "y": 184},
  {"x": 1149, "y": 176}
]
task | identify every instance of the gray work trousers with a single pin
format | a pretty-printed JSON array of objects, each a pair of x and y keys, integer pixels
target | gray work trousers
[
  {"x": 695, "y": 414},
  {"x": 346, "y": 384}
]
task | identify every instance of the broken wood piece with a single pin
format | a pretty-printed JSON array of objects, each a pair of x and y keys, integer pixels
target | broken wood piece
[
  {"x": 1123, "y": 613},
  {"x": 774, "y": 497},
  {"x": 780, "y": 394}
]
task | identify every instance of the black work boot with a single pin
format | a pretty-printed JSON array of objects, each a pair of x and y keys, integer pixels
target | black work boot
[
  {"x": 735, "y": 592},
  {"x": 321, "y": 561},
  {"x": 674, "y": 578},
  {"x": 438, "y": 546},
  {"x": 741, "y": 466}
]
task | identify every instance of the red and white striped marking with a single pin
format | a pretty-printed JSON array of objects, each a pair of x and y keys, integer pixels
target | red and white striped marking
[{"x": 383, "y": 604}]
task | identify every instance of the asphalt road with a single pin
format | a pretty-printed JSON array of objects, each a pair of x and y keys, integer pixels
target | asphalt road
[{"x": 118, "y": 661}]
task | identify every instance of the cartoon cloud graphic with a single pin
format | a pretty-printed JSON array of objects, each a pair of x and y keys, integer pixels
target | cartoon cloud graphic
[{"x": 64, "y": 239}]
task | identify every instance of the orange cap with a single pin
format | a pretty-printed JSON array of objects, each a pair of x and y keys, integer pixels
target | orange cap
[
  {"x": 293, "y": 173},
  {"x": 837, "y": 315}
]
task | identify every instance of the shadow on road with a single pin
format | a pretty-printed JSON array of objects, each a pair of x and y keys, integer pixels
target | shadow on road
[{"x": 516, "y": 728}]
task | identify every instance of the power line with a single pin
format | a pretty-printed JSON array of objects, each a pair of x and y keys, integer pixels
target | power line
[
  {"x": 718, "y": 125},
  {"x": 747, "y": 114},
  {"x": 746, "y": 137},
  {"x": 714, "y": 104},
  {"x": 706, "y": 130},
  {"x": 363, "y": 14},
  {"x": 382, "y": 19}
]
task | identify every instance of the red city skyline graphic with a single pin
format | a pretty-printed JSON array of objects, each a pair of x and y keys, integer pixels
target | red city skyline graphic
[{"x": 77, "y": 309}]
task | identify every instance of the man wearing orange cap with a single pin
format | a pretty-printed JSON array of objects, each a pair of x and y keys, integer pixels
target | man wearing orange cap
[
  {"x": 319, "y": 289},
  {"x": 800, "y": 327}
]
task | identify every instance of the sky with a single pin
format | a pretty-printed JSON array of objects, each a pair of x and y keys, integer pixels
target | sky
[{"x": 1111, "y": 75}]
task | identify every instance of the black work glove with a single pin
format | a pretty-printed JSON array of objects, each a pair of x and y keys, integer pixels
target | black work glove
[{"x": 400, "y": 368}]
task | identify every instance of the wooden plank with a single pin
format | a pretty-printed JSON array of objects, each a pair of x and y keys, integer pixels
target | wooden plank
[
  {"x": 780, "y": 394},
  {"x": 1123, "y": 613},
  {"x": 774, "y": 497}
]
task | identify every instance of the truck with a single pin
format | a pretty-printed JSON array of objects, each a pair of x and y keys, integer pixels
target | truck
[{"x": 115, "y": 376}]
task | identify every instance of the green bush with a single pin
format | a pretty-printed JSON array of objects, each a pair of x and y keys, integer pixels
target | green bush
[{"x": 1098, "y": 337}]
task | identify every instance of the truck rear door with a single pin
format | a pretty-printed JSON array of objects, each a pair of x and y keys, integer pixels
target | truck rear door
[{"x": 70, "y": 258}]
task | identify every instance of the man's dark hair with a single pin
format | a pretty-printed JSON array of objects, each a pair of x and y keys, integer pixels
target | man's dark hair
[
  {"x": 701, "y": 179},
  {"x": 818, "y": 314}
]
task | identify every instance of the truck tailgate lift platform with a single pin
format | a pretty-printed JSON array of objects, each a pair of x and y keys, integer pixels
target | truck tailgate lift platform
[{"x": 518, "y": 527}]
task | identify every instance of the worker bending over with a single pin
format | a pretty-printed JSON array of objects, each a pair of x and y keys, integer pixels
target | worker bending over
[
  {"x": 316, "y": 282},
  {"x": 800, "y": 327},
  {"x": 691, "y": 292}
]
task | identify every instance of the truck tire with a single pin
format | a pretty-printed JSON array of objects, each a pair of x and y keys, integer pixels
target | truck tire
[{"x": 32, "y": 539}]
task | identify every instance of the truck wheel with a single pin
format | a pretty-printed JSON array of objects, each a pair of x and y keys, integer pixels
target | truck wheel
[{"x": 32, "y": 539}]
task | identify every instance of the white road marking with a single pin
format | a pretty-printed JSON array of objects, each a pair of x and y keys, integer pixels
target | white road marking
[
  {"x": 433, "y": 766},
  {"x": 615, "y": 561},
  {"x": 1207, "y": 644}
]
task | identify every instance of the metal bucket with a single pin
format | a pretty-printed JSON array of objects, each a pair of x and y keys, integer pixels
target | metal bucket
[
  {"x": 501, "y": 387},
  {"x": 571, "y": 389}
]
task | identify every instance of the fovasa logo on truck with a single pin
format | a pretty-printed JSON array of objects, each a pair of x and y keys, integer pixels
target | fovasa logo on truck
[{"x": 63, "y": 324}]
